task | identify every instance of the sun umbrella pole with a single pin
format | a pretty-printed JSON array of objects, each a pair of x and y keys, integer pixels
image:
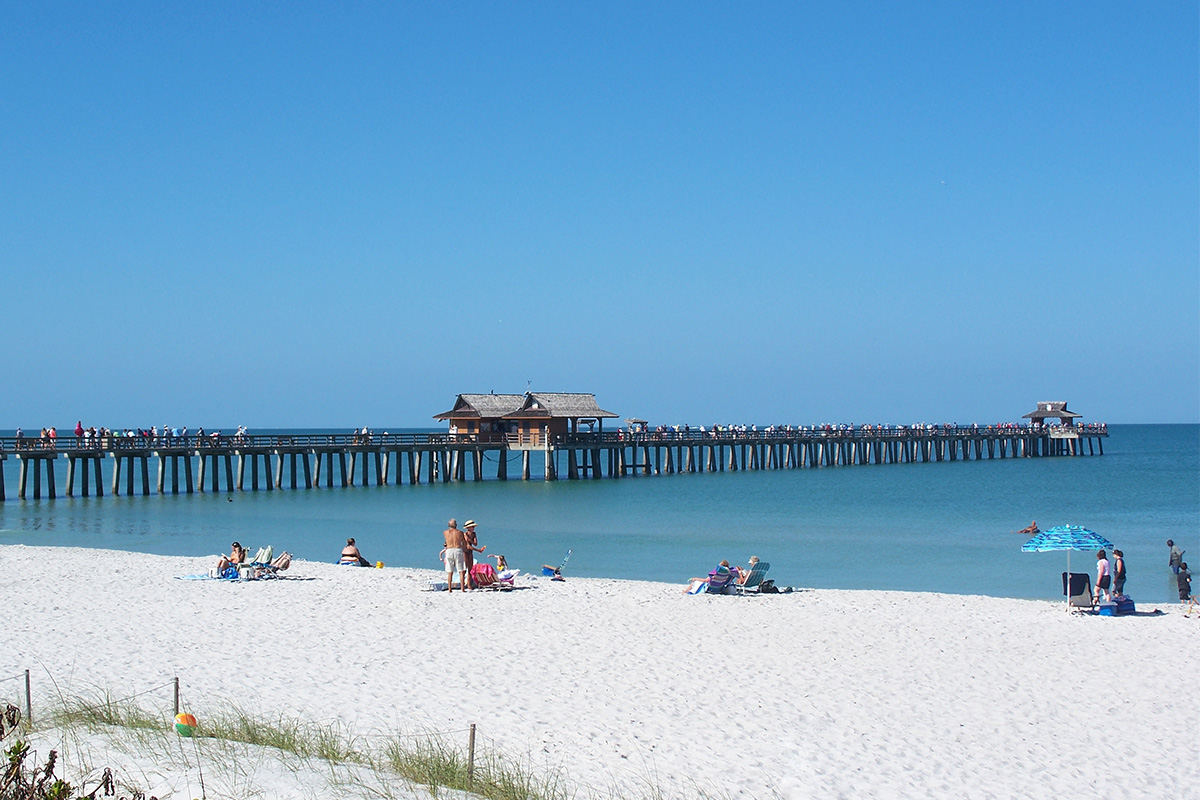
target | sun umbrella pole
[{"x": 1068, "y": 581}]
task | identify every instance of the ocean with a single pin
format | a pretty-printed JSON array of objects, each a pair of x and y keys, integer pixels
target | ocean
[{"x": 940, "y": 527}]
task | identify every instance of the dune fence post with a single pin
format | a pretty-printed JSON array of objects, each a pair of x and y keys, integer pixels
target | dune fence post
[
  {"x": 177, "y": 695},
  {"x": 28, "y": 701},
  {"x": 471, "y": 758}
]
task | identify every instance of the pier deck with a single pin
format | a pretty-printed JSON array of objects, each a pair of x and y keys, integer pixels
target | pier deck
[{"x": 207, "y": 463}]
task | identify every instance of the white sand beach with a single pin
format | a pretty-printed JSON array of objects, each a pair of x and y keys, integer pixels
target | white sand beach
[{"x": 624, "y": 686}]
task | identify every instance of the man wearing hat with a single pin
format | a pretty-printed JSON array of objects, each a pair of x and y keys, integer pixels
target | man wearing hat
[{"x": 470, "y": 548}]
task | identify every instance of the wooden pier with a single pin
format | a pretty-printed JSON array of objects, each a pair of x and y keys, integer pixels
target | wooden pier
[{"x": 174, "y": 465}]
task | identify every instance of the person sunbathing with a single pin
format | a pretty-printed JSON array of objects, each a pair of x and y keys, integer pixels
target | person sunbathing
[
  {"x": 237, "y": 555},
  {"x": 351, "y": 555},
  {"x": 743, "y": 574},
  {"x": 696, "y": 585},
  {"x": 1033, "y": 528}
]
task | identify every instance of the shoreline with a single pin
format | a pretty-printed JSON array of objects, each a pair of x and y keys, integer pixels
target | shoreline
[{"x": 816, "y": 693}]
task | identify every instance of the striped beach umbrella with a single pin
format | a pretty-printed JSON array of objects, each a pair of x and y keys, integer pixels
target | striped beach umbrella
[{"x": 1066, "y": 537}]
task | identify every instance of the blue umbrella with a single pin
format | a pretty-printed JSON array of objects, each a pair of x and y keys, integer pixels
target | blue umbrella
[{"x": 1066, "y": 537}]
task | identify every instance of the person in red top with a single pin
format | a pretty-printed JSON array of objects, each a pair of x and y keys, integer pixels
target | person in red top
[{"x": 79, "y": 429}]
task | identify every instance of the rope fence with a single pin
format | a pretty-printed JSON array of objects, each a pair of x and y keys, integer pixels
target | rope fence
[{"x": 174, "y": 685}]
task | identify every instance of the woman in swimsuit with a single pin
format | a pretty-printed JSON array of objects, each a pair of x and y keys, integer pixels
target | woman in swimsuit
[
  {"x": 237, "y": 555},
  {"x": 350, "y": 555}
]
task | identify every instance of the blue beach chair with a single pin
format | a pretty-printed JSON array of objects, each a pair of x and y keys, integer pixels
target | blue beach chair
[{"x": 754, "y": 579}]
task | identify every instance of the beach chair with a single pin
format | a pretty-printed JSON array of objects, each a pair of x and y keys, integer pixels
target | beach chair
[
  {"x": 1079, "y": 591},
  {"x": 753, "y": 580},
  {"x": 719, "y": 581},
  {"x": 484, "y": 576}
]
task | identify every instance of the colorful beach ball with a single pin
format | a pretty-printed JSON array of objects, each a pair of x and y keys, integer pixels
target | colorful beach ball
[{"x": 186, "y": 724}]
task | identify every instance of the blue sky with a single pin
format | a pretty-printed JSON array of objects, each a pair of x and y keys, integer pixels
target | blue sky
[{"x": 345, "y": 214}]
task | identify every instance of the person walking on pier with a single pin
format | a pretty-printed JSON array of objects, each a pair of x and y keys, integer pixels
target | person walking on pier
[{"x": 453, "y": 555}]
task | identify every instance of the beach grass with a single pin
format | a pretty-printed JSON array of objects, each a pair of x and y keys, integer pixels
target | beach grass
[{"x": 431, "y": 761}]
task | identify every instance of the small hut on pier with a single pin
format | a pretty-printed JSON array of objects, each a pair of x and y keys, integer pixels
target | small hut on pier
[
  {"x": 525, "y": 419},
  {"x": 1052, "y": 410}
]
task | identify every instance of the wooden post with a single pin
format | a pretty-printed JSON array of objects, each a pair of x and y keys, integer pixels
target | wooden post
[
  {"x": 28, "y": 700},
  {"x": 308, "y": 478},
  {"x": 176, "y": 695},
  {"x": 70, "y": 475},
  {"x": 471, "y": 758}
]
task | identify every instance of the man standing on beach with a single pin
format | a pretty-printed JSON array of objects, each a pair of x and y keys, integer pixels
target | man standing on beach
[{"x": 453, "y": 555}]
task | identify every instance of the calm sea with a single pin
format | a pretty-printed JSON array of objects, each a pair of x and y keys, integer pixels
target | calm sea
[{"x": 944, "y": 527}]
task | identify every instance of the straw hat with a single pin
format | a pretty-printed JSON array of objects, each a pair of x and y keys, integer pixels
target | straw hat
[{"x": 469, "y": 523}]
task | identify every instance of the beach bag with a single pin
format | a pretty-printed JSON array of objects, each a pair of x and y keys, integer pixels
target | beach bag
[
  {"x": 283, "y": 561},
  {"x": 768, "y": 587}
]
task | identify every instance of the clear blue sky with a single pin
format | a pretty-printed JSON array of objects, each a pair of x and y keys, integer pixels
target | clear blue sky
[{"x": 345, "y": 214}]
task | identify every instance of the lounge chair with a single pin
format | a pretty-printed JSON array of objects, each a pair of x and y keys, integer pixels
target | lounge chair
[
  {"x": 1079, "y": 592},
  {"x": 484, "y": 576},
  {"x": 754, "y": 579},
  {"x": 719, "y": 581}
]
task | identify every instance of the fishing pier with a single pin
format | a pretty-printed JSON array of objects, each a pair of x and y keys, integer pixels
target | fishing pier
[{"x": 174, "y": 465}]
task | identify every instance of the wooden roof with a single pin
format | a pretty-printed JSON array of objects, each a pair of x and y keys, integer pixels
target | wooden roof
[
  {"x": 1051, "y": 410},
  {"x": 477, "y": 406},
  {"x": 570, "y": 405},
  {"x": 531, "y": 405}
]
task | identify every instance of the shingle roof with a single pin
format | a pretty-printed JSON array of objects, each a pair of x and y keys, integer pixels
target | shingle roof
[
  {"x": 1051, "y": 410},
  {"x": 483, "y": 405},
  {"x": 524, "y": 406},
  {"x": 561, "y": 404}
]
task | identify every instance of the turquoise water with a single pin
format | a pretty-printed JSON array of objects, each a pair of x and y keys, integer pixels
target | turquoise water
[{"x": 942, "y": 527}]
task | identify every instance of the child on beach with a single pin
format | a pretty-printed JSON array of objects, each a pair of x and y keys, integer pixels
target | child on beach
[{"x": 1184, "y": 580}]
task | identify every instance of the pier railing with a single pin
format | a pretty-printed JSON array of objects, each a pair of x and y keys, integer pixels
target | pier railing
[
  {"x": 115, "y": 443},
  {"x": 817, "y": 434}
]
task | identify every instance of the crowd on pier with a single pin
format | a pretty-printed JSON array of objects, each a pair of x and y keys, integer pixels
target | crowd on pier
[
  {"x": 102, "y": 438},
  {"x": 843, "y": 430}
]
